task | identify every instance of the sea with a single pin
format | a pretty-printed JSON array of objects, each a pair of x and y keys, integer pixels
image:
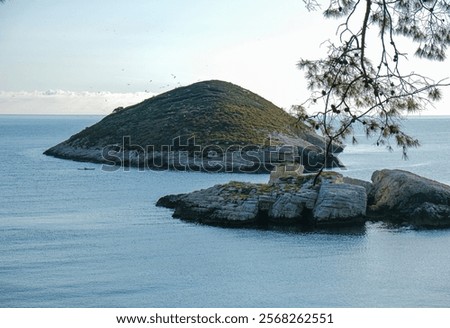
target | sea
[{"x": 93, "y": 238}]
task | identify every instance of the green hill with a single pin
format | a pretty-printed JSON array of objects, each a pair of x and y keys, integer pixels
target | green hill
[{"x": 213, "y": 112}]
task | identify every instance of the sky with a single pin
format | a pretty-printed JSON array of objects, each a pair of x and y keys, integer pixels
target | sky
[{"x": 89, "y": 57}]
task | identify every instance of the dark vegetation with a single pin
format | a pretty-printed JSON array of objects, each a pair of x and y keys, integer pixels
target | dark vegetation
[{"x": 212, "y": 112}]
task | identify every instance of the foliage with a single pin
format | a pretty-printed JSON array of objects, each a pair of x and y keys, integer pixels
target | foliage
[
  {"x": 361, "y": 80},
  {"x": 213, "y": 112}
]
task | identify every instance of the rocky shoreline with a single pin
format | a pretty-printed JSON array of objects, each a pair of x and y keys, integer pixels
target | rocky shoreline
[
  {"x": 335, "y": 201},
  {"x": 232, "y": 159}
]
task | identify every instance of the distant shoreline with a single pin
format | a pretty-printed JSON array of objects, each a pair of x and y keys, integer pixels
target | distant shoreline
[{"x": 103, "y": 115}]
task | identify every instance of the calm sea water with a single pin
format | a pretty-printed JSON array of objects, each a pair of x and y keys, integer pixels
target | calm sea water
[{"x": 71, "y": 238}]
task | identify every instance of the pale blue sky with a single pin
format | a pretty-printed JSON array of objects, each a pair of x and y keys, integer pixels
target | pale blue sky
[
  {"x": 121, "y": 45},
  {"x": 153, "y": 46}
]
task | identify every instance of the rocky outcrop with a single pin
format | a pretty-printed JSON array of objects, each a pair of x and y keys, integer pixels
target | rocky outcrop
[
  {"x": 293, "y": 207},
  {"x": 340, "y": 203},
  {"x": 394, "y": 196},
  {"x": 295, "y": 201},
  {"x": 406, "y": 197},
  {"x": 211, "y": 126},
  {"x": 218, "y": 205}
]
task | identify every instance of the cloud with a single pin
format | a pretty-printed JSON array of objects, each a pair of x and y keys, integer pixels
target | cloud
[{"x": 63, "y": 102}]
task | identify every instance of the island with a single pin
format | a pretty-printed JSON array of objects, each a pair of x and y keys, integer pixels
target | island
[
  {"x": 211, "y": 126},
  {"x": 394, "y": 196}
]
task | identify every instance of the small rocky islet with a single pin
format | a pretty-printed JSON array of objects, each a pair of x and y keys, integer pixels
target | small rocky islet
[{"x": 335, "y": 201}]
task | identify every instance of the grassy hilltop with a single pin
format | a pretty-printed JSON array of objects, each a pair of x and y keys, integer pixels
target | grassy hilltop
[{"x": 214, "y": 112}]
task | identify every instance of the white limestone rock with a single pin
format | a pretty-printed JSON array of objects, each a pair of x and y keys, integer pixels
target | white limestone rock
[
  {"x": 289, "y": 207},
  {"x": 340, "y": 203}
]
